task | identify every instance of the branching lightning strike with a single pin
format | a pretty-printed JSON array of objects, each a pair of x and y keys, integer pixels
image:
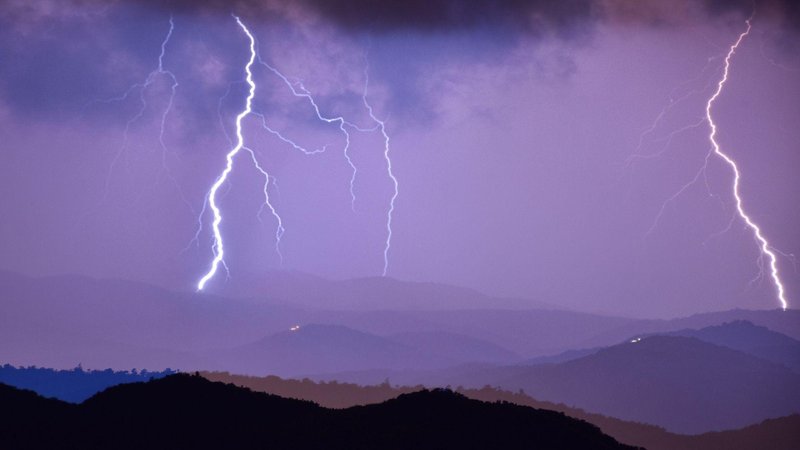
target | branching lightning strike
[
  {"x": 218, "y": 247},
  {"x": 766, "y": 251},
  {"x": 142, "y": 87},
  {"x": 382, "y": 126},
  {"x": 298, "y": 90},
  {"x": 764, "y": 246}
]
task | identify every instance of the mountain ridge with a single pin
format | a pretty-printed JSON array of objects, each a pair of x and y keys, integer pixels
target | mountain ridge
[{"x": 182, "y": 411}]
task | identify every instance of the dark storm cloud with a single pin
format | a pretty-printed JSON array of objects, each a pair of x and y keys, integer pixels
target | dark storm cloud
[
  {"x": 45, "y": 74},
  {"x": 56, "y": 58},
  {"x": 787, "y": 10},
  {"x": 418, "y": 15},
  {"x": 784, "y": 13},
  {"x": 435, "y": 15},
  {"x": 62, "y": 64},
  {"x": 529, "y": 16},
  {"x": 532, "y": 16}
]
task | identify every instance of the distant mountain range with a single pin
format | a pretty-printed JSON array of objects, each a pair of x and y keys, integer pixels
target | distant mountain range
[
  {"x": 65, "y": 320},
  {"x": 182, "y": 411},
  {"x": 693, "y": 363},
  {"x": 684, "y": 384},
  {"x": 308, "y": 349},
  {"x": 739, "y": 335},
  {"x": 752, "y": 339},
  {"x": 318, "y": 348}
]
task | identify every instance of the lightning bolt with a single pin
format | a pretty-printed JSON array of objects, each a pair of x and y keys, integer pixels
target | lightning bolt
[
  {"x": 288, "y": 141},
  {"x": 382, "y": 126},
  {"x": 142, "y": 88},
  {"x": 218, "y": 247},
  {"x": 766, "y": 251},
  {"x": 298, "y": 90},
  {"x": 279, "y": 230},
  {"x": 764, "y": 245},
  {"x": 173, "y": 88}
]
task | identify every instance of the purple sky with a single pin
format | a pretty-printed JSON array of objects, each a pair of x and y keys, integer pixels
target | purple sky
[{"x": 510, "y": 128}]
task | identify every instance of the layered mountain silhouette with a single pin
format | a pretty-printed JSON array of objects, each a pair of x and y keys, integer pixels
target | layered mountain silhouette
[
  {"x": 318, "y": 348},
  {"x": 752, "y": 339},
  {"x": 62, "y": 321},
  {"x": 782, "y": 433},
  {"x": 706, "y": 372},
  {"x": 741, "y": 335},
  {"x": 681, "y": 383},
  {"x": 776, "y": 434},
  {"x": 312, "y": 348},
  {"x": 183, "y": 411}
]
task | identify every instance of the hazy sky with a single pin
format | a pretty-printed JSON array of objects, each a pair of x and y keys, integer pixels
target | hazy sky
[{"x": 510, "y": 127}]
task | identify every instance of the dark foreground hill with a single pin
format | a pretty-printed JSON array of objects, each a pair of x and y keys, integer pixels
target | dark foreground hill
[
  {"x": 775, "y": 434},
  {"x": 183, "y": 411}
]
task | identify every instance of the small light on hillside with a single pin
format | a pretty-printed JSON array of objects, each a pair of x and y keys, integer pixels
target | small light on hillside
[
  {"x": 635, "y": 340},
  {"x": 294, "y": 328}
]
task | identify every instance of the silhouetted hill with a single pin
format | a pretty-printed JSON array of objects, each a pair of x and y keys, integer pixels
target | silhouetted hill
[
  {"x": 783, "y": 433},
  {"x": 25, "y": 414},
  {"x": 753, "y": 339},
  {"x": 183, "y": 411},
  {"x": 329, "y": 395},
  {"x": 443, "y": 419},
  {"x": 74, "y": 385},
  {"x": 683, "y": 384}
]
